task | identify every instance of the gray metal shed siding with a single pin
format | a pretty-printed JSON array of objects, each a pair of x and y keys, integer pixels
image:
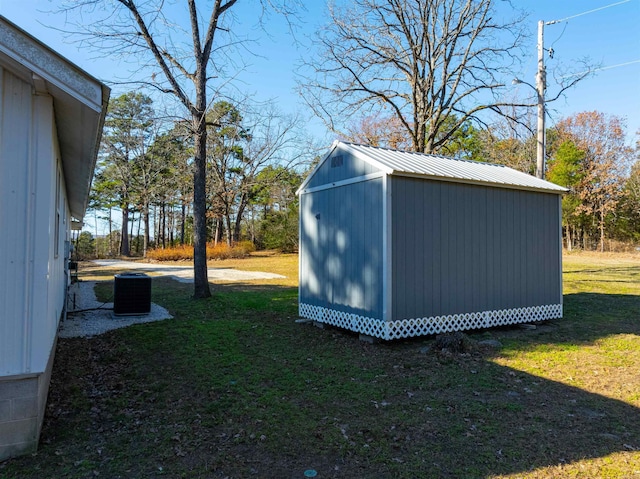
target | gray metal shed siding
[
  {"x": 352, "y": 167},
  {"x": 461, "y": 248},
  {"x": 341, "y": 248}
]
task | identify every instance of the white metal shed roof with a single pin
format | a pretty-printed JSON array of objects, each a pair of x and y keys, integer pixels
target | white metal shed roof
[{"x": 406, "y": 163}]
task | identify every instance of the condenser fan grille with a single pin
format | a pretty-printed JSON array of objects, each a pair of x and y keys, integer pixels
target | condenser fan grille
[{"x": 131, "y": 294}]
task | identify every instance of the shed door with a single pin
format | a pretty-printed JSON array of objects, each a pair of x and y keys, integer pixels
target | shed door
[{"x": 341, "y": 248}]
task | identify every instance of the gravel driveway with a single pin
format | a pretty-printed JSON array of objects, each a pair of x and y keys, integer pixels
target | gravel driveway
[{"x": 184, "y": 274}]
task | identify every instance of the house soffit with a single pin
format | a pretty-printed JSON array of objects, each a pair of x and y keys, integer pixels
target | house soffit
[
  {"x": 79, "y": 104},
  {"x": 32, "y": 55}
]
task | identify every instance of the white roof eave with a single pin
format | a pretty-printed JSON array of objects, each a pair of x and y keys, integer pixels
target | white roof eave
[
  {"x": 420, "y": 165},
  {"x": 439, "y": 168},
  {"x": 493, "y": 184},
  {"x": 79, "y": 100}
]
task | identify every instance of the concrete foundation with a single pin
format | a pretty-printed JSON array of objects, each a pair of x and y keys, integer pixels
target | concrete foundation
[{"x": 23, "y": 400}]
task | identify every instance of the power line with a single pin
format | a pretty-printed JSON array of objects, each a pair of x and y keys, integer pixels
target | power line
[
  {"x": 618, "y": 65},
  {"x": 585, "y": 13},
  {"x": 602, "y": 68}
]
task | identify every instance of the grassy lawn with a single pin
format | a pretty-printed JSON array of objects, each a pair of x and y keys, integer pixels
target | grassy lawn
[{"x": 234, "y": 387}]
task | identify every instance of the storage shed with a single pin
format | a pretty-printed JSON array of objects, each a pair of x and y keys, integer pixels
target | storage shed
[
  {"x": 395, "y": 244},
  {"x": 51, "y": 117}
]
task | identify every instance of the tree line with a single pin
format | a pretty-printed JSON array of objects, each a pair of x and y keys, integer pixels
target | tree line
[{"x": 144, "y": 174}]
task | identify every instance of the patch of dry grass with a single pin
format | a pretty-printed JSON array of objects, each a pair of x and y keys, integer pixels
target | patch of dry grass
[{"x": 218, "y": 251}]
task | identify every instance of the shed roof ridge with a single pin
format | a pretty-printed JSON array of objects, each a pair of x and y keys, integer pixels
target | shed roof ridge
[
  {"x": 417, "y": 153},
  {"x": 403, "y": 162}
]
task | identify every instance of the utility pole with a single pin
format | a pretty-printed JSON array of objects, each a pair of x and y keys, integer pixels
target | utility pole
[
  {"x": 541, "y": 79},
  {"x": 541, "y": 85}
]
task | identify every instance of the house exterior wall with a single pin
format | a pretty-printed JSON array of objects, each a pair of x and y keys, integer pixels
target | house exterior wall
[
  {"x": 22, "y": 406},
  {"x": 461, "y": 248},
  {"x": 341, "y": 242},
  {"x": 34, "y": 219},
  {"x": 15, "y": 121}
]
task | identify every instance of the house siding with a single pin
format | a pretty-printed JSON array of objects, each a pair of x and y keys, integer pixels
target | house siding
[
  {"x": 35, "y": 216},
  {"x": 51, "y": 218},
  {"x": 461, "y": 248},
  {"x": 341, "y": 257},
  {"x": 32, "y": 279},
  {"x": 15, "y": 207}
]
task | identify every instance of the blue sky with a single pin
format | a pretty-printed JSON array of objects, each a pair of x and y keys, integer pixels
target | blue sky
[{"x": 610, "y": 37}]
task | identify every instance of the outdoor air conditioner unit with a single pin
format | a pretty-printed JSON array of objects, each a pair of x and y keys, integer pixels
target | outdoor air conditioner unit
[{"x": 131, "y": 294}]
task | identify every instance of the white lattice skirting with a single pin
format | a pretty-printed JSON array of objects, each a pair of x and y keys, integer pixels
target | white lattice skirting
[{"x": 406, "y": 328}]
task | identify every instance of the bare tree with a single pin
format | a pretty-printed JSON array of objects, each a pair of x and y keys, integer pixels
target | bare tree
[
  {"x": 509, "y": 141},
  {"x": 188, "y": 57},
  {"x": 424, "y": 60},
  {"x": 632, "y": 193},
  {"x": 435, "y": 65},
  {"x": 378, "y": 130},
  {"x": 632, "y": 187}
]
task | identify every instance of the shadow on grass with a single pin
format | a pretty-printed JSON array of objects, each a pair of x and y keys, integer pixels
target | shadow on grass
[
  {"x": 605, "y": 314},
  {"x": 625, "y": 270},
  {"x": 233, "y": 387},
  {"x": 499, "y": 421},
  {"x": 587, "y": 318}
]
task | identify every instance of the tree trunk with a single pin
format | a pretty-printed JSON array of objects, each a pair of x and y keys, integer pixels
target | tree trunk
[
  {"x": 110, "y": 234},
  {"x": 124, "y": 236},
  {"x": 183, "y": 217},
  {"x": 145, "y": 214},
  {"x": 156, "y": 226},
  {"x": 132, "y": 236},
  {"x": 602, "y": 231},
  {"x": 161, "y": 229},
  {"x": 579, "y": 237},
  {"x": 228, "y": 229},
  {"x": 253, "y": 224},
  {"x": 172, "y": 225},
  {"x": 200, "y": 278},
  {"x": 241, "y": 207},
  {"x": 95, "y": 216},
  {"x": 585, "y": 240},
  {"x": 218, "y": 230}
]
